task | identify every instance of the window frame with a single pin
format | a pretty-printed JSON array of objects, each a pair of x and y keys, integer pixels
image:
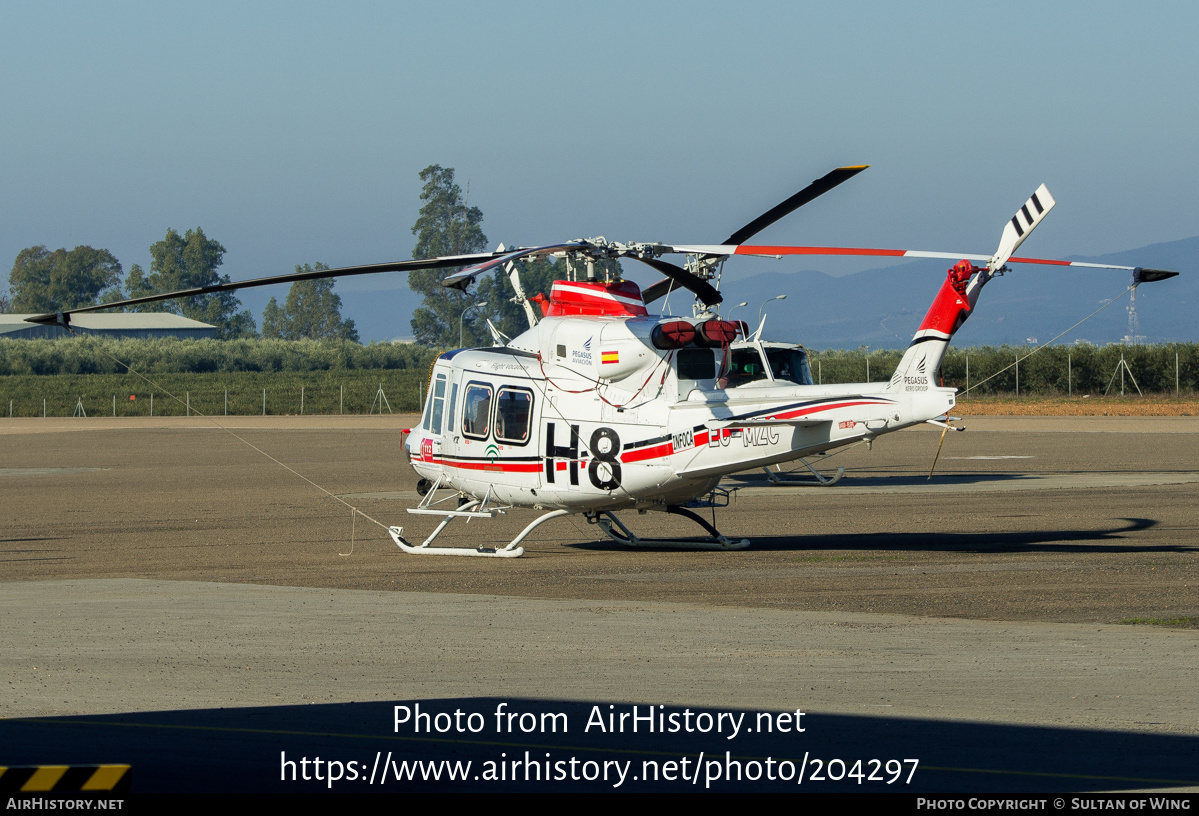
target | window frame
[
  {"x": 528, "y": 418},
  {"x": 490, "y": 409}
]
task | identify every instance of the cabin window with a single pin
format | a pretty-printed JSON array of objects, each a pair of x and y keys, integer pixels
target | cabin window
[
  {"x": 696, "y": 364},
  {"x": 426, "y": 421},
  {"x": 514, "y": 408},
  {"x": 449, "y": 422},
  {"x": 438, "y": 404},
  {"x": 476, "y": 410}
]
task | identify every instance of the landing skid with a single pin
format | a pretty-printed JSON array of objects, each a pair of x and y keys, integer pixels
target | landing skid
[
  {"x": 608, "y": 522},
  {"x": 777, "y": 477},
  {"x": 513, "y": 550},
  {"x": 617, "y": 531}
]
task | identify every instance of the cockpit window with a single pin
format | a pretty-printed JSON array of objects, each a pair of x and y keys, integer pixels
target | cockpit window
[
  {"x": 790, "y": 364},
  {"x": 746, "y": 366}
]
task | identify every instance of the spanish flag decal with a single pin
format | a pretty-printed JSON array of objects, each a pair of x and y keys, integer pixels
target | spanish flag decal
[{"x": 609, "y": 357}]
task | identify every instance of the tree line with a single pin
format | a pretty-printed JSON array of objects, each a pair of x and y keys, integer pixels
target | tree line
[
  {"x": 89, "y": 354},
  {"x": 1161, "y": 368},
  {"x": 44, "y": 280},
  {"x": 986, "y": 370}
]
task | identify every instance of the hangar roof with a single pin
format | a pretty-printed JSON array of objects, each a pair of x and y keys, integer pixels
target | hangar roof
[{"x": 119, "y": 322}]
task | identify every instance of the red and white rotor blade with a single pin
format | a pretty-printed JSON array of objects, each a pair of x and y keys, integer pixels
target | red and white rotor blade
[
  {"x": 780, "y": 251},
  {"x": 1021, "y": 226}
]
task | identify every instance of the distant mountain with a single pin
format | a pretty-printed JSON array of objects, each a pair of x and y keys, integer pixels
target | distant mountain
[{"x": 883, "y": 307}]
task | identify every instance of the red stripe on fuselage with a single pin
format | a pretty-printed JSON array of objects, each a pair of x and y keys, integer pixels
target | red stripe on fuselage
[
  {"x": 812, "y": 409},
  {"x": 641, "y": 454},
  {"x": 498, "y": 465}
]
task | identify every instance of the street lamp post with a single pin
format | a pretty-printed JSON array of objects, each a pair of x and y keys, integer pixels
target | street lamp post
[
  {"x": 462, "y": 316},
  {"x": 729, "y": 316},
  {"x": 763, "y": 306}
]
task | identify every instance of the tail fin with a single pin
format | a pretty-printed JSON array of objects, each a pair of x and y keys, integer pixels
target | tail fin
[
  {"x": 959, "y": 293},
  {"x": 949, "y": 311}
]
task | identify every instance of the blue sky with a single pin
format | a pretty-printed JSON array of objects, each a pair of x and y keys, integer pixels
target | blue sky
[{"x": 294, "y": 132}]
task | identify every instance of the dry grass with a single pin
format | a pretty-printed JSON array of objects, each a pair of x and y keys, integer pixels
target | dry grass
[{"x": 1148, "y": 405}]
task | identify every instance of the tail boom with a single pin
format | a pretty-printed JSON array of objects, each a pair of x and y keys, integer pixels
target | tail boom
[{"x": 951, "y": 307}]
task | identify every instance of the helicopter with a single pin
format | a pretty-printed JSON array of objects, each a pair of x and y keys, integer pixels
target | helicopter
[{"x": 602, "y": 407}]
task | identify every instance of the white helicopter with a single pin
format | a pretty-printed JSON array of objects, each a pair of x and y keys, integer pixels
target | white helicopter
[{"x": 601, "y": 407}]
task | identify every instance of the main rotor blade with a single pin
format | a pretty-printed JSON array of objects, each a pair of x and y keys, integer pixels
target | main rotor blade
[
  {"x": 706, "y": 292},
  {"x": 656, "y": 290},
  {"x": 780, "y": 251},
  {"x": 316, "y": 274},
  {"x": 817, "y": 188},
  {"x": 462, "y": 279}
]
